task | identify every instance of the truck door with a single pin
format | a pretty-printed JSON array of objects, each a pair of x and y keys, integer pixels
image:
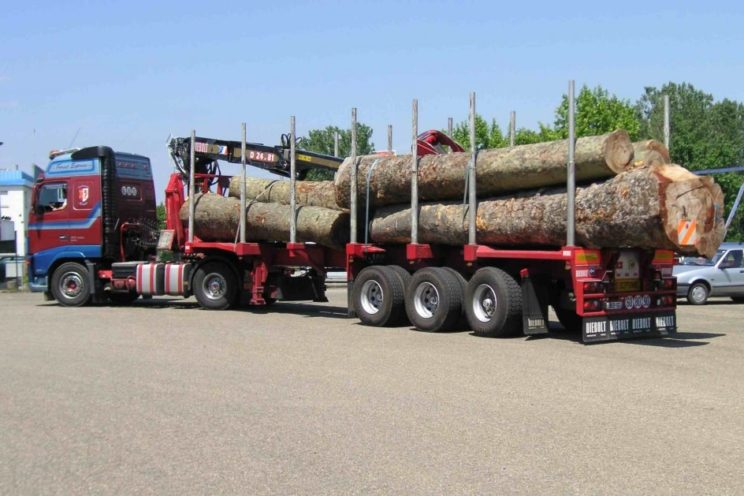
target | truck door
[{"x": 50, "y": 214}]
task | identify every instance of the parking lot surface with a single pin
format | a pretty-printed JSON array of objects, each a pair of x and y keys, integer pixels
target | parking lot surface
[{"x": 164, "y": 398}]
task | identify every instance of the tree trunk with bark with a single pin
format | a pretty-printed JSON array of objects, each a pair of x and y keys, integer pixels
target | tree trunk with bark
[
  {"x": 640, "y": 208},
  {"x": 309, "y": 193},
  {"x": 217, "y": 218},
  {"x": 650, "y": 152},
  {"x": 442, "y": 177}
]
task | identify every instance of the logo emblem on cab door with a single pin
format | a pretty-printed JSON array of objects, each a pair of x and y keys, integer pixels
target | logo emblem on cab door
[{"x": 83, "y": 195}]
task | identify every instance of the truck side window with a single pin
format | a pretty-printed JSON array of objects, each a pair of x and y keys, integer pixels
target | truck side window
[{"x": 53, "y": 196}]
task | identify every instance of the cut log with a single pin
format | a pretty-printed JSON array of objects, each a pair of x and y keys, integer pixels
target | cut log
[
  {"x": 442, "y": 177},
  {"x": 650, "y": 152},
  {"x": 309, "y": 193},
  {"x": 640, "y": 208},
  {"x": 216, "y": 218}
]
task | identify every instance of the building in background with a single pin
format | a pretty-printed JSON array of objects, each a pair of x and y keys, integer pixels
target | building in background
[{"x": 15, "y": 205}]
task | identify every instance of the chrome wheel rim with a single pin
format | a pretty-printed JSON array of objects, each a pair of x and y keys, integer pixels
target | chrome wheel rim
[
  {"x": 71, "y": 284},
  {"x": 426, "y": 300},
  {"x": 372, "y": 297},
  {"x": 214, "y": 286},
  {"x": 698, "y": 293},
  {"x": 484, "y": 302}
]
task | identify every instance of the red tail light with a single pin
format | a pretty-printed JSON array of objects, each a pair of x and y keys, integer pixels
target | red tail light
[
  {"x": 592, "y": 305},
  {"x": 592, "y": 287}
]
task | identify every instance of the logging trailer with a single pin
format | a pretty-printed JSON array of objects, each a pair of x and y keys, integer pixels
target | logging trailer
[{"x": 93, "y": 238}]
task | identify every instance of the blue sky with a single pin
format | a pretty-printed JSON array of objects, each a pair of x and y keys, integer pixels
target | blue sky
[{"x": 129, "y": 74}]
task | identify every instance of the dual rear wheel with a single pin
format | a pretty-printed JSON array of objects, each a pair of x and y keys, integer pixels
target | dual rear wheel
[{"x": 439, "y": 299}]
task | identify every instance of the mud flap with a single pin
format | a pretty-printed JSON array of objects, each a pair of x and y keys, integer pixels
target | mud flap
[
  {"x": 534, "y": 307},
  {"x": 598, "y": 329},
  {"x": 96, "y": 288}
]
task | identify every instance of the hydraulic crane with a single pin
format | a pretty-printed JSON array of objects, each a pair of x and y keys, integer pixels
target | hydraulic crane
[{"x": 275, "y": 159}]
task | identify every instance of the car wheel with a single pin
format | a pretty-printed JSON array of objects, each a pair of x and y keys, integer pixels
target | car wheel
[{"x": 698, "y": 293}]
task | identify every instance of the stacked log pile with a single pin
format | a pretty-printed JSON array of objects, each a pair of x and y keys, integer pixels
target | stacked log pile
[
  {"x": 629, "y": 195},
  {"x": 217, "y": 218},
  {"x": 307, "y": 193}
]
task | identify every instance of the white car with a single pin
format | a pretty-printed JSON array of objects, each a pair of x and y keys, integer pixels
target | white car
[{"x": 723, "y": 275}]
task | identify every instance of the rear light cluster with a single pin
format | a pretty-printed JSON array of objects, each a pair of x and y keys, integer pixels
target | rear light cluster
[
  {"x": 593, "y": 287},
  {"x": 664, "y": 283},
  {"x": 666, "y": 300},
  {"x": 592, "y": 305}
]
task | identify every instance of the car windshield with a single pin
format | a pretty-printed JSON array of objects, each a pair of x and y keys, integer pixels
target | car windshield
[{"x": 702, "y": 261}]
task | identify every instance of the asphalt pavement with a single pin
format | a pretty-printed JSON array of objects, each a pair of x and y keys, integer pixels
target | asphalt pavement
[{"x": 165, "y": 398}]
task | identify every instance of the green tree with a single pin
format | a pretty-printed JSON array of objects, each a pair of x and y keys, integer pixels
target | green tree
[
  {"x": 597, "y": 112},
  {"x": 322, "y": 141},
  {"x": 160, "y": 214},
  {"x": 690, "y": 124},
  {"x": 486, "y": 136}
]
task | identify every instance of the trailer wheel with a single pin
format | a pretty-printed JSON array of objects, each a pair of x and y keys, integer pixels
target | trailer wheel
[
  {"x": 493, "y": 303},
  {"x": 70, "y": 285},
  {"x": 403, "y": 275},
  {"x": 215, "y": 286},
  {"x": 462, "y": 322},
  {"x": 378, "y": 296},
  {"x": 434, "y": 300}
]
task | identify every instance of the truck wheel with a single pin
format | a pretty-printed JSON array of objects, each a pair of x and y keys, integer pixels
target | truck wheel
[
  {"x": 378, "y": 296},
  {"x": 462, "y": 322},
  {"x": 434, "y": 300},
  {"x": 403, "y": 275},
  {"x": 122, "y": 298},
  {"x": 698, "y": 294},
  {"x": 215, "y": 286},
  {"x": 70, "y": 285},
  {"x": 493, "y": 303}
]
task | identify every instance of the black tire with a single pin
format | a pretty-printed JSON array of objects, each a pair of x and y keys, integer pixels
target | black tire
[
  {"x": 377, "y": 296},
  {"x": 434, "y": 300},
  {"x": 403, "y": 275},
  {"x": 493, "y": 303},
  {"x": 462, "y": 322},
  {"x": 698, "y": 293},
  {"x": 737, "y": 299},
  {"x": 70, "y": 286},
  {"x": 215, "y": 286},
  {"x": 122, "y": 298}
]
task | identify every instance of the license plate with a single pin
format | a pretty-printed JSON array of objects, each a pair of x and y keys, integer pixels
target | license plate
[{"x": 614, "y": 305}]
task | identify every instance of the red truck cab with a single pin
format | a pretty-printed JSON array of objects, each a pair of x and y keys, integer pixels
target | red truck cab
[{"x": 91, "y": 207}]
